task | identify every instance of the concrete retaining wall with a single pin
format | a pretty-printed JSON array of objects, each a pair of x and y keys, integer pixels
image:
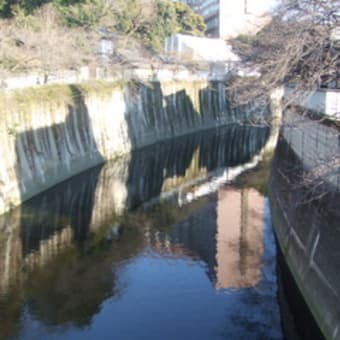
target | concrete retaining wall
[
  {"x": 50, "y": 133},
  {"x": 306, "y": 217}
]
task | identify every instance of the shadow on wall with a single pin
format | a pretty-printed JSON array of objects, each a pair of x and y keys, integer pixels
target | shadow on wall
[
  {"x": 160, "y": 166},
  {"x": 49, "y": 223},
  {"x": 156, "y": 112},
  {"x": 74, "y": 203},
  {"x": 180, "y": 114},
  {"x": 56, "y": 231},
  {"x": 49, "y": 155},
  {"x": 164, "y": 166}
]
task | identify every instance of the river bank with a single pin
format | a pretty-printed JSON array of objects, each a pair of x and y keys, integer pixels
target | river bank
[
  {"x": 141, "y": 245},
  {"x": 304, "y": 196},
  {"x": 53, "y": 132}
]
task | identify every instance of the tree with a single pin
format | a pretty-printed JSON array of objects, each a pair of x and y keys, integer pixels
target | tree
[
  {"x": 154, "y": 32},
  {"x": 188, "y": 21},
  {"x": 89, "y": 14},
  {"x": 40, "y": 42},
  {"x": 152, "y": 21},
  {"x": 298, "y": 46}
]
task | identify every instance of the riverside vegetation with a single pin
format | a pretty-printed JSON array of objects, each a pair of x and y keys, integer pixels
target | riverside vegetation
[{"x": 45, "y": 36}]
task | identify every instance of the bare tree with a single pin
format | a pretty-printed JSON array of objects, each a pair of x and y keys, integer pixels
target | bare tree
[
  {"x": 299, "y": 46},
  {"x": 43, "y": 44}
]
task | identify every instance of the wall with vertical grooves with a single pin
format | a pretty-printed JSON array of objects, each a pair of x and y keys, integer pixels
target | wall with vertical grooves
[{"x": 50, "y": 133}]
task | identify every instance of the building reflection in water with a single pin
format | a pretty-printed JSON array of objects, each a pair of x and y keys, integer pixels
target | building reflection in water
[
  {"x": 225, "y": 230},
  {"x": 52, "y": 246},
  {"x": 239, "y": 246}
]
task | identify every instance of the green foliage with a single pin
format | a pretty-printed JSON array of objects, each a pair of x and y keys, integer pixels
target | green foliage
[
  {"x": 59, "y": 34},
  {"x": 5, "y": 8},
  {"x": 87, "y": 14},
  {"x": 128, "y": 17},
  {"x": 8, "y": 8},
  {"x": 154, "y": 33},
  {"x": 24, "y": 20},
  {"x": 171, "y": 17},
  {"x": 149, "y": 20},
  {"x": 188, "y": 21}
]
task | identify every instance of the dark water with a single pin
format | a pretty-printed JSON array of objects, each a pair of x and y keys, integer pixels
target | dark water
[{"x": 173, "y": 241}]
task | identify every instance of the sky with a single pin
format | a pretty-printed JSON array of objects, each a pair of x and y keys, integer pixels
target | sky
[{"x": 255, "y": 6}]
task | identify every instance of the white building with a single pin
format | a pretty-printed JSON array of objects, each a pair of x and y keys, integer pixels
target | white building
[
  {"x": 197, "y": 48},
  {"x": 229, "y": 18}
]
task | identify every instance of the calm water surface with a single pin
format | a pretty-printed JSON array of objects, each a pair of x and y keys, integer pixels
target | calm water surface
[{"x": 172, "y": 242}]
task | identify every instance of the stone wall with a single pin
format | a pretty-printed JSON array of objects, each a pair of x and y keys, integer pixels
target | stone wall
[{"x": 50, "y": 133}]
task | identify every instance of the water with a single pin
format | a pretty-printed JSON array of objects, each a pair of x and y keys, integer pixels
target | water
[{"x": 173, "y": 241}]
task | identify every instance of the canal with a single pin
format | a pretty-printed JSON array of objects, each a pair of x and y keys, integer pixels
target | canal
[{"x": 172, "y": 241}]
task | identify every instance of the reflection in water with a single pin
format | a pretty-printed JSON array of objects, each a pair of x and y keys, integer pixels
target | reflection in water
[
  {"x": 231, "y": 247},
  {"x": 92, "y": 248},
  {"x": 239, "y": 238}
]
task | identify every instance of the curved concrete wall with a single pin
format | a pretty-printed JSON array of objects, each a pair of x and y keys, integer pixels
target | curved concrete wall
[
  {"x": 316, "y": 146},
  {"x": 306, "y": 220},
  {"x": 51, "y": 133}
]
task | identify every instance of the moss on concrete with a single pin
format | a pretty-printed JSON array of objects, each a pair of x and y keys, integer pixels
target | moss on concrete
[{"x": 21, "y": 100}]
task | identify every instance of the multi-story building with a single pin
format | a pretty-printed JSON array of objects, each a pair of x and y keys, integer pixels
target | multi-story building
[{"x": 229, "y": 18}]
